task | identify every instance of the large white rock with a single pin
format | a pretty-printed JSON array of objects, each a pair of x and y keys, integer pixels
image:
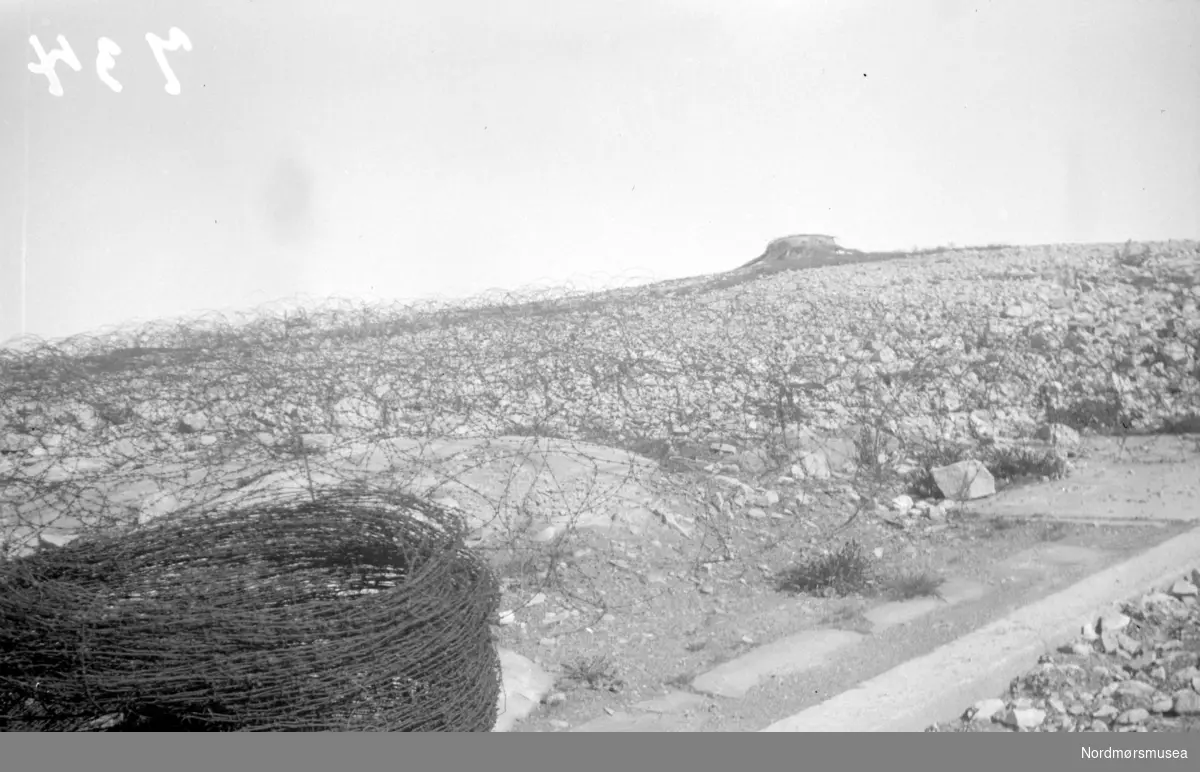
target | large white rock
[
  {"x": 964, "y": 481},
  {"x": 525, "y": 685}
]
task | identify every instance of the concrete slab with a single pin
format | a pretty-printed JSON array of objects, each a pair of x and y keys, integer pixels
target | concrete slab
[
  {"x": 895, "y": 613},
  {"x": 1046, "y": 557},
  {"x": 661, "y": 714},
  {"x": 627, "y": 722},
  {"x": 804, "y": 650},
  {"x": 979, "y": 665},
  {"x": 672, "y": 702}
]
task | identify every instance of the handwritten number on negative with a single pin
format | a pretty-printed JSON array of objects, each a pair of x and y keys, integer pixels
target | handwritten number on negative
[{"x": 106, "y": 59}]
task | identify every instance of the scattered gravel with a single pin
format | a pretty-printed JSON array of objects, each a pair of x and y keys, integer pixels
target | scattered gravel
[{"x": 1134, "y": 669}]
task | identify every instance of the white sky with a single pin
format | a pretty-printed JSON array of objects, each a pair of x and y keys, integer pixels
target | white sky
[{"x": 416, "y": 149}]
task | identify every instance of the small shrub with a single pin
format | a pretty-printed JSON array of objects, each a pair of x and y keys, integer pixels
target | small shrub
[
  {"x": 841, "y": 573},
  {"x": 1011, "y": 462},
  {"x": 1103, "y": 415},
  {"x": 1189, "y": 424},
  {"x": 867, "y": 448},
  {"x": 1126, "y": 256}
]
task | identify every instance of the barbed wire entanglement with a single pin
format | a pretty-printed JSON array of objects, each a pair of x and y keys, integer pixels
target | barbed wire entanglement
[
  {"x": 537, "y": 416},
  {"x": 354, "y": 610}
]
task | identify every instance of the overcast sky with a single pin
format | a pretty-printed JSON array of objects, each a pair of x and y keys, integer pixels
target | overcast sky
[{"x": 401, "y": 150}]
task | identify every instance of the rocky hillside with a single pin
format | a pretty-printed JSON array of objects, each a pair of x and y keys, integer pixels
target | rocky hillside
[{"x": 919, "y": 349}]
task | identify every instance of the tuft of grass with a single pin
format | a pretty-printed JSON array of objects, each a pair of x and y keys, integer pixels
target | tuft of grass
[
  {"x": 1012, "y": 462},
  {"x": 841, "y": 573},
  {"x": 998, "y": 525},
  {"x": 1189, "y": 424},
  {"x": 594, "y": 673},
  {"x": 872, "y": 447},
  {"x": 1005, "y": 462},
  {"x": 1104, "y": 414},
  {"x": 919, "y": 585}
]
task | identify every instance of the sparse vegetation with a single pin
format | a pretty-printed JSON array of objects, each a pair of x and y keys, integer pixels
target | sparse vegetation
[
  {"x": 1128, "y": 256},
  {"x": 919, "y": 482},
  {"x": 841, "y": 616},
  {"x": 915, "y": 585},
  {"x": 1016, "y": 462},
  {"x": 1053, "y": 532},
  {"x": 1186, "y": 425},
  {"x": 844, "y": 572},
  {"x": 1006, "y": 462},
  {"x": 1104, "y": 413},
  {"x": 597, "y": 673},
  {"x": 999, "y": 525}
]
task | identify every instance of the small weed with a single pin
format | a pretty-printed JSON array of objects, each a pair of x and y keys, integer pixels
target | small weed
[
  {"x": 873, "y": 447},
  {"x": 1000, "y": 525},
  {"x": 839, "y": 615},
  {"x": 594, "y": 673},
  {"x": 523, "y": 570},
  {"x": 655, "y": 449},
  {"x": 922, "y": 585},
  {"x": 841, "y": 573}
]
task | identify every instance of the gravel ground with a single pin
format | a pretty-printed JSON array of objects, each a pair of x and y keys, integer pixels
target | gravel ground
[{"x": 1136, "y": 669}]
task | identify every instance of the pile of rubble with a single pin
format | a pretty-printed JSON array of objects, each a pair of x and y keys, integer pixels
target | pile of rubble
[{"x": 1133, "y": 669}]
